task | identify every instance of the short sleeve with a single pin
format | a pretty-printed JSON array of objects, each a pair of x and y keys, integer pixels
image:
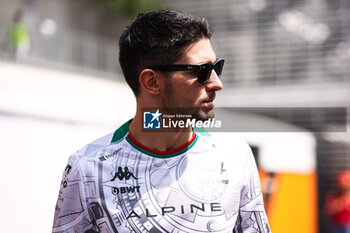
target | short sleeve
[
  {"x": 252, "y": 216},
  {"x": 71, "y": 212}
]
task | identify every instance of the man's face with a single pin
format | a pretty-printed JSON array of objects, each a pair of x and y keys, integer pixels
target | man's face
[{"x": 183, "y": 91}]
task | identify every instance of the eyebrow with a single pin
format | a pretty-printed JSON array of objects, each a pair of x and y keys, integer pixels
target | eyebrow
[{"x": 208, "y": 61}]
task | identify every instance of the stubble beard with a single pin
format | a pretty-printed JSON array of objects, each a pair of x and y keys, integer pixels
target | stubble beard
[{"x": 173, "y": 106}]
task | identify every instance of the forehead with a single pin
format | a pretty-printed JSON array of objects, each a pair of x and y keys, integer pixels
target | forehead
[{"x": 198, "y": 52}]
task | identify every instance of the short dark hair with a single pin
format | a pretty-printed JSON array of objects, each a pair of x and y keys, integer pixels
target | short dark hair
[{"x": 157, "y": 38}]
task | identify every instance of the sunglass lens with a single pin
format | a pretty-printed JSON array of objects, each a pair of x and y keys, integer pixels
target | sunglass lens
[
  {"x": 204, "y": 74},
  {"x": 218, "y": 67}
]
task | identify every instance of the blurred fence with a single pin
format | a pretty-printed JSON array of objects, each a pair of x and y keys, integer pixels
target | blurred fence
[
  {"x": 66, "y": 46},
  {"x": 270, "y": 42}
]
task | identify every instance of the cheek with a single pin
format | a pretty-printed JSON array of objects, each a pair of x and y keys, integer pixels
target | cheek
[
  {"x": 184, "y": 92},
  {"x": 194, "y": 90},
  {"x": 201, "y": 95},
  {"x": 192, "y": 95}
]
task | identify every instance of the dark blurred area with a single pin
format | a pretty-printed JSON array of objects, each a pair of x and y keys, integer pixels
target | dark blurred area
[{"x": 279, "y": 53}]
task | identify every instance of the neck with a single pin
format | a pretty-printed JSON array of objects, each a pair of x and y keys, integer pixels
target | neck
[{"x": 160, "y": 141}]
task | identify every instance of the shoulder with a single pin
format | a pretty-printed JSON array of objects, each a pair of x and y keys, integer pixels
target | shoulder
[
  {"x": 225, "y": 141},
  {"x": 228, "y": 145},
  {"x": 98, "y": 147},
  {"x": 93, "y": 146},
  {"x": 98, "y": 150}
]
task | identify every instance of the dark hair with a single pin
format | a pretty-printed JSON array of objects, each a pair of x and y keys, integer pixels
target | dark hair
[{"x": 157, "y": 38}]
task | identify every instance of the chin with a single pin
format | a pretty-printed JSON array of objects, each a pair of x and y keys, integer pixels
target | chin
[{"x": 203, "y": 115}]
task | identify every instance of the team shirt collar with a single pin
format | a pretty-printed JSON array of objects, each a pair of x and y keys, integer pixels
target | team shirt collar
[{"x": 123, "y": 132}]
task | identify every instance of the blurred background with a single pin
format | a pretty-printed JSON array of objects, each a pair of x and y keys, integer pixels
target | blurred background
[{"x": 61, "y": 87}]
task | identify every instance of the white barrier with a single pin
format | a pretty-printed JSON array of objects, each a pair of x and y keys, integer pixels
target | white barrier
[{"x": 45, "y": 116}]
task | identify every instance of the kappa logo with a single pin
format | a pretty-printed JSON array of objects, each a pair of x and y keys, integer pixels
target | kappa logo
[
  {"x": 120, "y": 174},
  {"x": 151, "y": 120}
]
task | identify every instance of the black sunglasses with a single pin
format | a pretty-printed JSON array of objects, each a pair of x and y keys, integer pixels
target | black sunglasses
[{"x": 203, "y": 70}]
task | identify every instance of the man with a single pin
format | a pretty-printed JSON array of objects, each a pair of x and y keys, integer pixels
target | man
[{"x": 164, "y": 181}]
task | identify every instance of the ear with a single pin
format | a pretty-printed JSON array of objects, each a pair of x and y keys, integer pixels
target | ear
[{"x": 149, "y": 82}]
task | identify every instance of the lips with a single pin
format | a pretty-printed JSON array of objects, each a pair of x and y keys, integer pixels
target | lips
[{"x": 209, "y": 103}]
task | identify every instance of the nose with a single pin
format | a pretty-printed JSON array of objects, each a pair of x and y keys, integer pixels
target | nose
[{"x": 214, "y": 83}]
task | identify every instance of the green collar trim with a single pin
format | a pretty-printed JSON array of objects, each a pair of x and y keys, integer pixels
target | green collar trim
[{"x": 120, "y": 133}]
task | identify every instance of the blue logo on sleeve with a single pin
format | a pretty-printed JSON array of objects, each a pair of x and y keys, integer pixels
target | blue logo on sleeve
[{"x": 151, "y": 120}]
